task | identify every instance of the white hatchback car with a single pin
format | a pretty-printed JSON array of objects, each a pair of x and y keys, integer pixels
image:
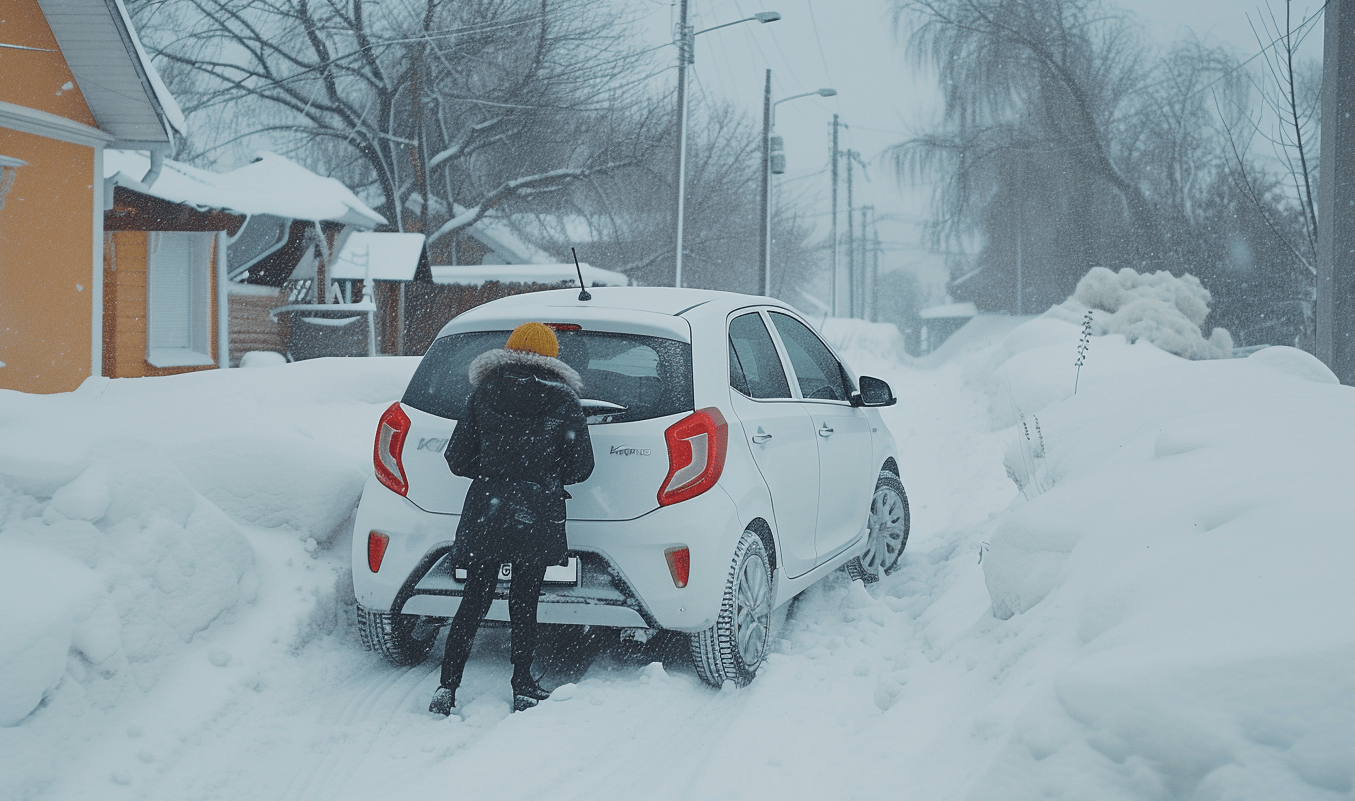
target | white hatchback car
[{"x": 738, "y": 461}]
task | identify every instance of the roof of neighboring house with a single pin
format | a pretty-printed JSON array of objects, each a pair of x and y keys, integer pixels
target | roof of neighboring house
[
  {"x": 478, "y": 274},
  {"x": 379, "y": 257},
  {"x": 510, "y": 248},
  {"x": 272, "y": 184},
  {"x": 115, "y": 76}
]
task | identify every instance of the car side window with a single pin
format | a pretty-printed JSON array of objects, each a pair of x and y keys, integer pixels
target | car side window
[
  {"x": 818, "y": 372},
  {"x": 754, "y": 366}
]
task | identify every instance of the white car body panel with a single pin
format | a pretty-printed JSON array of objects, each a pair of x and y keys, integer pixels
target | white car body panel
[{"x": 788, "y": 462}]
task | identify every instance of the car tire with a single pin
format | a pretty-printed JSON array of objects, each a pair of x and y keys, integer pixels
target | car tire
[
  {"x": 402, "y": 639},
  {"x": 733, "y": 649},
  {"x": 888, "y": 531}
]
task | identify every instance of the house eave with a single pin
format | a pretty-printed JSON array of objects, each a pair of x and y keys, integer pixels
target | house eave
[
  {"x": 109, "y": 66},
  {"x": 52, "y": 126}
]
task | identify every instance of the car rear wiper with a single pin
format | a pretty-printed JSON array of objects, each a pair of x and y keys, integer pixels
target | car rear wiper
[
  {"x": 600, "y": 411},
  {"x": 601, "y": 405}
]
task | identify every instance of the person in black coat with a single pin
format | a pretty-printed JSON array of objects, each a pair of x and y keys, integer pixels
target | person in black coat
[{"x": 522, "y": 438}]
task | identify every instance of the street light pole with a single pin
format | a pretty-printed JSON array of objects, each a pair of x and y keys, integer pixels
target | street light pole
[
  {"x": 687, "y": 57},
  {"x": 769, "y": 120},
  {"x": 765, "y": 241}
]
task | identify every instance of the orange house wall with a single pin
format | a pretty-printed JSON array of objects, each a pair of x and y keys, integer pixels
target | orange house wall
[
  {"x": 33, "y": 78},
  {"x": 47, "y": 224},
  {"x": 125, "y": 308},
  {"x": 46, "y": 265}
]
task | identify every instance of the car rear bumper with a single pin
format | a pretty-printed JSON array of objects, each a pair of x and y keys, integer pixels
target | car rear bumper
[{"x": 624, "y": 577}]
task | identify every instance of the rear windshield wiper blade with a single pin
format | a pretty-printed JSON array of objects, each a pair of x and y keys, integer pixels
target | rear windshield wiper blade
[{"x": 601, "y": 405}]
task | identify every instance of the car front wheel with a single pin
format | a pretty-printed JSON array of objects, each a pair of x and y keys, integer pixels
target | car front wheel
[
  {"x": 733, "y": 649},
  {"x": 401, "y": 639},
  {"x": 888, "y": 531}
]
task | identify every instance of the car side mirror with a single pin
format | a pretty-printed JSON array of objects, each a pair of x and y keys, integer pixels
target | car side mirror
[{"x": 874, "y": 392}]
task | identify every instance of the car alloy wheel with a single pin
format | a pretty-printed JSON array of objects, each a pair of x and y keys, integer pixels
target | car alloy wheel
[
  {"x": 753, "y": 610},
  {"x": 733, "y": 648},
  {"x": 888, "y": 525}
]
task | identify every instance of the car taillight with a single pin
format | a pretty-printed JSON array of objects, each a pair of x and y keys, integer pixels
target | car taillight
[
  {"x": 696, "y": 455},
  {"x": 376, "y": 549},
  {"x": 390, "y": 443},
  {"x": 564, "y": 326},
  {"x": 679, "y": 564}
]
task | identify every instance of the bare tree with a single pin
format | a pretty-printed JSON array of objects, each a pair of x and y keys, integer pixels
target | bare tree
[
  {"x": 1289, "y": 90},
  {"x": 1038, "y": 76},
  {"x": 625, "y": 217},
  {"x": 447, "y": 109}
]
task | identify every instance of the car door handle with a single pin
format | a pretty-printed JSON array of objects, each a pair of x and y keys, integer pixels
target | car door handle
[
  {"x": 761, "y": 436},
  {"x": 825, "y": 431}
]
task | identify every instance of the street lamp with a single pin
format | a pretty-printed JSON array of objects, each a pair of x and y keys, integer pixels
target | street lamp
[
  {"x": 687, "y": 56},
  {"x": 768, "y": 121}
]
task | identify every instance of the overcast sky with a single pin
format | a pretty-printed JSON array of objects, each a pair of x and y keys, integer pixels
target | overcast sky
[{"x": 852, "y": 46}]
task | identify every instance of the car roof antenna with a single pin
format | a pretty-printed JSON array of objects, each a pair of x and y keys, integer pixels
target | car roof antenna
[{"x": 583, "y": 292}]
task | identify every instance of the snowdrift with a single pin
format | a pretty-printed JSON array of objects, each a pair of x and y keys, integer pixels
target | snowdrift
[
  {"x": 1177, "y": 567},
  {"x": 121, "y": 507}
]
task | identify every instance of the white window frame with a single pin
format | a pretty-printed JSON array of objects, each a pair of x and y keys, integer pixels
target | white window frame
[{"x": 179, "y": 299}]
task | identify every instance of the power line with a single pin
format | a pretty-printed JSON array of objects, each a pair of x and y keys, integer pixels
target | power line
[{"x": 822, "y": 58}]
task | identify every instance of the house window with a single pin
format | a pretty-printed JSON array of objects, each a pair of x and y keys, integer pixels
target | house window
[{"x": 179, "y": 316}]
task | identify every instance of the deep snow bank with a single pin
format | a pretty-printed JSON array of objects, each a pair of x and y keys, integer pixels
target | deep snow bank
[
  {"x": 120, "y": 505},
  {"x": 1176, "y": 573}
]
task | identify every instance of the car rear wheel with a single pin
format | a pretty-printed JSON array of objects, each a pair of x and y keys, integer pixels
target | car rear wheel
[
  {"x": 401, "y": 639},
  {"x": 888, "y": 531},
  {"x": 734, "y": 648}
]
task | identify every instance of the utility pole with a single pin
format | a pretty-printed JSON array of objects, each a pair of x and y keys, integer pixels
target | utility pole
[
  {"x": 685, "y": 57},
  {"x": 1020, "y": 233},
  {"x": 832, "y": 294},
  {"x": 851, "y": 243},
  {"x": 867, "y": 284},
  {"x": 765, "y": 241},
  {"x": 875, "y": 269},
  {"x": 1336, "y": 195}
]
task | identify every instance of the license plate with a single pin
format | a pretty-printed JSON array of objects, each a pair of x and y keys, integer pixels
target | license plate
[{"x": 555, "y": 574}]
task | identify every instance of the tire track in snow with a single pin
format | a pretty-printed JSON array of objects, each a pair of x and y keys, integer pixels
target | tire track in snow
[
  {"x": 379, "y": 688},
  {"x": 668, "y": 748}
]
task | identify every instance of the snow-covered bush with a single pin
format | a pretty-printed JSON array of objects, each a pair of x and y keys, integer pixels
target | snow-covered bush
[{"x": 1161, "y": 308}]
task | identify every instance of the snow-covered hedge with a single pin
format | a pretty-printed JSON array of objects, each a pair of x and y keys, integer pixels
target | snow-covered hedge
[{"x": 1160, "y": 308}]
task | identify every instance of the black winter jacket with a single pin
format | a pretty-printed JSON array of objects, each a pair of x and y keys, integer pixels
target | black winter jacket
[{"x": 522, "y": 438}]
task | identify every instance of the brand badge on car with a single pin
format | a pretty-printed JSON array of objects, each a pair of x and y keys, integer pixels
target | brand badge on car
[
  {"x": 626, "y": 450},
  {"x": 433, "y": 444}
]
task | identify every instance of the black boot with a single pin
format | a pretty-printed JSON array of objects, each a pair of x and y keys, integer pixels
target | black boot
[
  {"x": 444, "y": 700},
  {"x": 526, "y": 692}
]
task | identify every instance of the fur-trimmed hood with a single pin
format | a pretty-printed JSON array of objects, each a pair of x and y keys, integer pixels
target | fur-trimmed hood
[{"x": 491, "y": 360}]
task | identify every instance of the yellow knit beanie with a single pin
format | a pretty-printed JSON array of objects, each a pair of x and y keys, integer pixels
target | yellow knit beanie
[{"x": 534, "y": 338}]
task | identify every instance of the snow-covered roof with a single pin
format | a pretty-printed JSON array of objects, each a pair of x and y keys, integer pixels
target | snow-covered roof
[
  {"x": 477, "y": 274},
  {"x": 949, "y": 310},
  {"x": 115, "y": 76},
  {"x": 379, "y": 257},
  {"x": 272, "y": 184},
  {"x": 505, "y": 244}
]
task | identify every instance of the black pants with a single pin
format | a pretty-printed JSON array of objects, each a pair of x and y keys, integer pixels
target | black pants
[{"x": 523, "y": 593}]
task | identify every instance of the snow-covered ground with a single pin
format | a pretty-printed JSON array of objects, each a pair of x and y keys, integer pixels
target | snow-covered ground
[{"x": 1163, "y": 607}]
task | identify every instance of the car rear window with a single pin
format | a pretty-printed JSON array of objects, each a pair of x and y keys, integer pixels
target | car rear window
[{"x": 634, "y": 377}]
